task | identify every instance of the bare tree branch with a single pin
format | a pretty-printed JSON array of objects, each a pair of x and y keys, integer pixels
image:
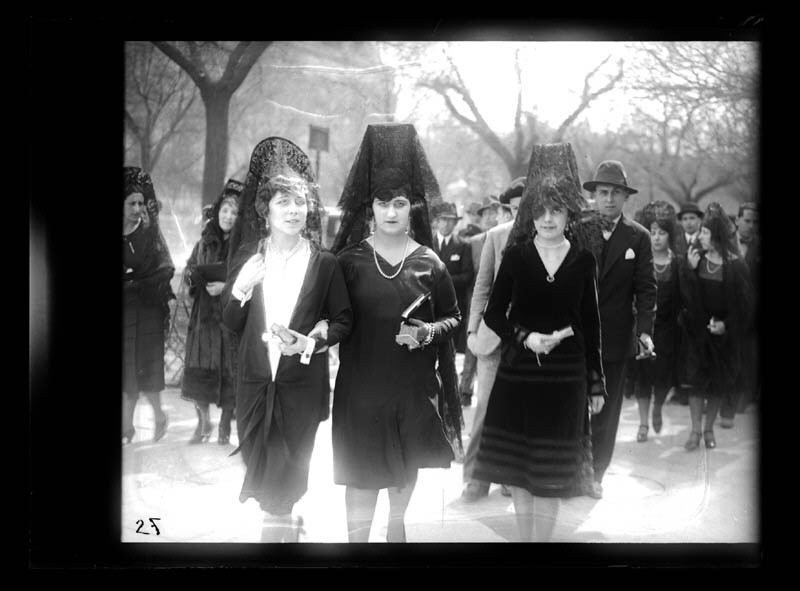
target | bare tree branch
[
  {"x": 192, "y": 68},
  {"x": 588, "y": 96}
]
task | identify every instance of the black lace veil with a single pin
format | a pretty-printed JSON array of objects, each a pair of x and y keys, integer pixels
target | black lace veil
[
  {"x": 553, "y": 179},
  {"x": 390, "y": 156},
  {"x": 272, "y": 158}
]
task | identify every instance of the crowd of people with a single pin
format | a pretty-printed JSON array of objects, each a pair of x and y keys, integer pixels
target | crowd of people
[{"x": 560, "y": 303}]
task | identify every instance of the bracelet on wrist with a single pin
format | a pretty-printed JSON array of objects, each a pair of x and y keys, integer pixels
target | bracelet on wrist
[{"x": 428, "y": 339}]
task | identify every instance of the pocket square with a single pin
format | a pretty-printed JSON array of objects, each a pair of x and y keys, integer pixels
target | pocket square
[
  {"x": 455, "y": 257},
  {"x": 629, "y": 254}
]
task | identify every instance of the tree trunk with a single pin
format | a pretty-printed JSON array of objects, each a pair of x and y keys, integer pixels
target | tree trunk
[
  {"x": 144, "y": 144},
  {"x": 216, "y": 156}
]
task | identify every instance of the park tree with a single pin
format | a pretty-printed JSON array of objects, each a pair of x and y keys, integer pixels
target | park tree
[
  {"x": 158, "y": 98},
  {"x": 445, "y": 79},
  {"x": 218, "y": 70},
  {"x": 695, "y": 127}
]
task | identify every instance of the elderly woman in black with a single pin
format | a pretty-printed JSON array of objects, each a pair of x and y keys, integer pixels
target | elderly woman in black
[
  {"x": 146, "y": 272},
  {"x": 544, "y": 308},
  {"x": 718, "y": 296},
  {"x": 209, "y": 367},
  {"x": 282, "y": 285},
  {"x": 396, "y": 406}
]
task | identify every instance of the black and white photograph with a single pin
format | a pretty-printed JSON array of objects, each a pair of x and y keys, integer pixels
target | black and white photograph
[{"x": 441, "y": 290}]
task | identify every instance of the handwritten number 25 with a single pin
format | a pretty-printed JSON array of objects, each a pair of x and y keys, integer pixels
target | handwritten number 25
[{"x": 152, "y": 524}]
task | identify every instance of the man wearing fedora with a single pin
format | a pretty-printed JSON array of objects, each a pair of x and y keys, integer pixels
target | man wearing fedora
[
  {"x": 482, "y": 340},
  {"x": 456, "y": 254},
  {"x": 626, "y": 283},
  {"x": 690, "y": 217}
]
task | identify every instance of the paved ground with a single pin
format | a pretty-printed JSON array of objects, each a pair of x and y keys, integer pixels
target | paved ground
[{"x": 653, "y": 491}]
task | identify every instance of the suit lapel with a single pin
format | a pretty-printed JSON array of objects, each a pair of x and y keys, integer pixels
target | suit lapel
[{"x": 615, "y": 246}]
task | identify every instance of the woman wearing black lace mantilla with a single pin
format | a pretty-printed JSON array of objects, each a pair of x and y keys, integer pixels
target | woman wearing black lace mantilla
[
  {"x": 544, "y": 308},
  {"x": 396, "y": 407},
  {"x": 146, "y": 272},
  {"x": 282, "y": 286}
]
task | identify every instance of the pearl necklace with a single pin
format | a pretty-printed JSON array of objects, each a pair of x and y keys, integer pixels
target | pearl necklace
[
  {"x": 280, "y": 255},
  {"x": 377, "y": 264},
  {"x": 559, "y": 245},
  {"x": 663, "y": 266}
]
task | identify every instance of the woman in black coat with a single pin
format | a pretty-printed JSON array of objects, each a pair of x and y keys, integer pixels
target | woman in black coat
[
  {"x": 718, "y": 297},
  {"x": 146, "y": 272},
  {"x": 283, "y": 284},
  {"x": 210, "y": 360}
]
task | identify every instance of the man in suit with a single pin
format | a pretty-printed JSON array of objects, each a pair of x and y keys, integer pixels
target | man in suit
[
  {"x": 690, "y": 218},
  {"x": 626, "y": 278},
  {"x": 481, "y": 339},
  {"x": 475, "y": 241},
  {"x": 746, "y": 239},
  {"x": 456, "y": 254}
]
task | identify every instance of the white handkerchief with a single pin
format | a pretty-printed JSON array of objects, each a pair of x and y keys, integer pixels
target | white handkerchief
[
  {"x": 455, "y": 257},
  {"x": 629, "y": 254}
]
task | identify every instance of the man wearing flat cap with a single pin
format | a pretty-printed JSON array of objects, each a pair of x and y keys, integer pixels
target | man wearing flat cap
[
  {"x": 456, "y": 254},
  {"x": 626, "y": 282}
]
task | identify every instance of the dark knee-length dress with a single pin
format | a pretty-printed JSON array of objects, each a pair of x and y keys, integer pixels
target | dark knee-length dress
[
  {"x": 660, "y": 372},
  {"x": 714, "y": 362},
  {"x": 536, "y": 421},
  {"x": 385, "y": 419}
]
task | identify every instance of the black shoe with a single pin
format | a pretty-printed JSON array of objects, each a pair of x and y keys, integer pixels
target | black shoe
[
  {"x": 726, "y": 423},
  {"x": 708, "y": 436},
  {"x": 204, "y": 427},
  {"x": 595, "y": 490},
  {"x": 161, "y": 429},
  {"x": 658, "y": 421},
  {"x": 693, "y": 442},
  {"x": 127, "y": 436},
  {"x": 474, "y": 491},
  {"x": 224, "y": 436}
]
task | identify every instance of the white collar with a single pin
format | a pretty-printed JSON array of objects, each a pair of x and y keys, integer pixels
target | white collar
[{"x": 444, "y": 240}]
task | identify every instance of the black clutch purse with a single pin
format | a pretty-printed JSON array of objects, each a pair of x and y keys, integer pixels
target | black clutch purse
[{"x": 212, "y": 272}]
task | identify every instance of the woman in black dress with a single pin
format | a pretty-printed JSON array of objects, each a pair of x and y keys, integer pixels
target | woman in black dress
[
  {"x": 655, "y": 375},
  {"x": 550, "y": 373},
  {"x": 146, "y": 272},
  {"x": 282, "y": 285},
  {"x": 718, "y": 297},
  {"x": 209, "y": 367},
  {"x": 396, "y": 406}
]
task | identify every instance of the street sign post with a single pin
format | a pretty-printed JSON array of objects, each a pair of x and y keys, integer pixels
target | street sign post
[{"x": 318, "y": 140}]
